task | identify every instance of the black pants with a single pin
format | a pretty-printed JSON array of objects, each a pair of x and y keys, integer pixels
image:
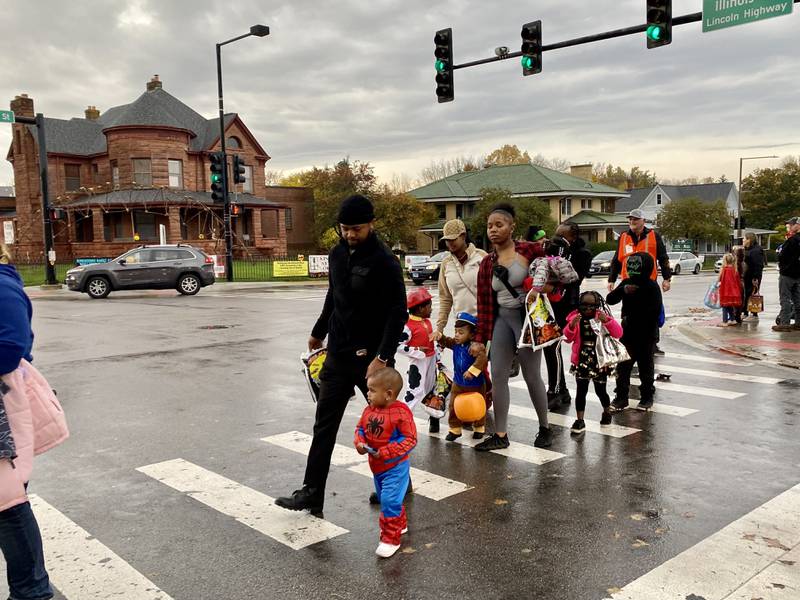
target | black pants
[
  {"x": 556, "y": 382},
  {"x": 339, "y": 378},
  {"x": 641, "y": 351},
  {"x": 583, "y": 389}
]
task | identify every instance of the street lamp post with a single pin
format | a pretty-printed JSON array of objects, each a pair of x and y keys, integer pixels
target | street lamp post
[
  {"x": 258, "y": 31},
  {"x": 740, "y": 231}
]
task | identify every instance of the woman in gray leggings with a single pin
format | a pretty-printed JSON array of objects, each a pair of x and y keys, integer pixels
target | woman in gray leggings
[{"x": 500, "y": 317}]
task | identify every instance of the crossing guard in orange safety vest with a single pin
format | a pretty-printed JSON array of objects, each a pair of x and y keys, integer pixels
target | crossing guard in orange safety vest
[{"x": 640, "y": 238}]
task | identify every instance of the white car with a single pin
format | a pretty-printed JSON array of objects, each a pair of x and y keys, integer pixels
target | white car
[
  {"x": 684, "y": 262},
  {"x": 718, "y": 266}
]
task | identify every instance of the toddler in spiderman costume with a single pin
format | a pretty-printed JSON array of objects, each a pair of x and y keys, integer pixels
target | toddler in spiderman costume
[{"x": 386, "y": 432}]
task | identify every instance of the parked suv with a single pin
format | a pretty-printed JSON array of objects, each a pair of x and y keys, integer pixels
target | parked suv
[{"x": 181, "y": 267}]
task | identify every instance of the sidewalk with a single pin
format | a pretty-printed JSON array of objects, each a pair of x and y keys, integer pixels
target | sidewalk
[{"x": 755, "y": 341}]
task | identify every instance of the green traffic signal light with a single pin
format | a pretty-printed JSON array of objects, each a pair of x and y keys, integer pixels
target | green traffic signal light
[
  {"x": 216, "y": 178},
  {"x": 440, "y": 65},
  {"x": 527, "y": 62},
  {"x": 655, "y": 32}
]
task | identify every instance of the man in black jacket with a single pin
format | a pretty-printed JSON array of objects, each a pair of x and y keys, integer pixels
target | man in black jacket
[
  {"x": 753, "y": 272},
  {"x": 789, "y": 280},
  {"x": 363, "y": 319},
  {"x": 574, "y": 249}
]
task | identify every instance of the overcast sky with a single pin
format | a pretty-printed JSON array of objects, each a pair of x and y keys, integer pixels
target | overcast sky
[{"x": 355, "y": 77}]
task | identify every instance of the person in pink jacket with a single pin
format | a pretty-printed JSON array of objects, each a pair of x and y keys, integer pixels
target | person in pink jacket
[
  {"x": 581, "y": 333},
  {"x": 31, "y": 422}
]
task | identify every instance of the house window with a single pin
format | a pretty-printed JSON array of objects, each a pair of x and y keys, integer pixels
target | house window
[
  {"x": 95, "y": 174},
  {"x": 289, "y": 219},
  {"x": 658, "y": 198},
  {"x": 586, "y": 203},
  {"x": 142, "y": 172},
  {"x": 233, "y": 143},
  {"x": 115, "y": 174},
  {"x": 145, "y": 224},
  {"x": 469, "y": 211},
  {"x": 459, "y": 211},
  {"x": 72, "y": 177},
  {"x": 566, "y": 206},
  {"x": 247, "y": 186},
  {"x": 441, "y": 211},
  {"x": 175, "y": 174}
]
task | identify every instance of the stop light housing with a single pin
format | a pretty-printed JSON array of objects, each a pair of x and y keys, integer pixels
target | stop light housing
[
  {"x": 659, "y": 23},
  {"x": 217, "y": 175},
  {"x": 444, "y": 65},
  {"x": 236, "y": 210},
  {"x": 238, "y": 170},
  {"x": 531, "y": 48}
]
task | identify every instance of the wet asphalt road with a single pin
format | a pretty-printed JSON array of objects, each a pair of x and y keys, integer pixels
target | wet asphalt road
[{"x": 149, "y": 377}]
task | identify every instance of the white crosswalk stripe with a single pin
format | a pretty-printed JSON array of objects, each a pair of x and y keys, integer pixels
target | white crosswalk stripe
[
  {"x": 615, "y": 431},
  {"x": 426, "y": 484},
  {"x": 295, "y": 529},
  {"x": 721, "y": 375},
  {"x": 705, "y": 359},
  {"x": 693, "y": 389},
  {"x": 742, "y": 561}
]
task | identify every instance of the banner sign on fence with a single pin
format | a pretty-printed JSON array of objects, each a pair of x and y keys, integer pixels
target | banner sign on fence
[
  {"x": 318, "y": 265},
  {"x": 91, "y": 261},
  {"x": 290, "y": 268},
  {"x": 8, "y": 232},
  {"x": 219, "y": 265}
]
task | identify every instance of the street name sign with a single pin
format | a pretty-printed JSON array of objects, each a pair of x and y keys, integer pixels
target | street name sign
[
  {"x": 6, "y": 116},
  {"x": 719, "y": 14}
]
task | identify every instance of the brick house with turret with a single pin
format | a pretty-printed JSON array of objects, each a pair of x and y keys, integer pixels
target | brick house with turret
[{"x": 119, "y": 175}]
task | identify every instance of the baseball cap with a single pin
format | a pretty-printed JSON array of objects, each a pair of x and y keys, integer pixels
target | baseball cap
[
  {"x": 465, "y": 317},
  {"x": 636, "y": 214},
  {"x": 793, "y": 221},
  {"x": 453, "y": 228}
]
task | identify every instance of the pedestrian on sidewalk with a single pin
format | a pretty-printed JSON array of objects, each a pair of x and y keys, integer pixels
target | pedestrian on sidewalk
[
  {"x": 730, "y": 291},
  {"x": 363, "y": 318},
  {"x": 753, "y": 272},
  {"x": 31, "y": 422},
  {"x": 501, "y": 313},
  {"x": 739, "y": 254},
  {"x": 386, "y": 431},
  {"x": 789, "y": 279},
  {"x": 641, "y": 307},
  {"x": 581, "y": 333},
  {"x": 640, "y": 238},
  {"x": 574, "y": 250}
]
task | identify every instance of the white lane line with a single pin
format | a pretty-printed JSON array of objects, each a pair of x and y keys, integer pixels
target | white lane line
[
  {"x": 426, "y": 484},
  {"x": 720, "y": 375},
  {"x": 295, "y": 529},
  {"x": 693, "y": 389},
  {"x": 615, "y": 431},
  {"x": 81, "y": 567},
  {"x": 722, "y": 563},
  {"x": 705, "y": 359},
  {"x": 530, "y": 454},
  {"x": 658, "y": 407}
]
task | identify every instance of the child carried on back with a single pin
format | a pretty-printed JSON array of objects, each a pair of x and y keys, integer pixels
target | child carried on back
[{"x": 554, "y": 270}]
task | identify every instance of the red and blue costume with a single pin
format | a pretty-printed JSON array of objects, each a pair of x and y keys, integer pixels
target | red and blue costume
[{"x": 391, "y": 432}]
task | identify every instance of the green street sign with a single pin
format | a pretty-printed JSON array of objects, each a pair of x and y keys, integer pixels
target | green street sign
[
  {"x": 682, "y": 245},
  {"x": 720, "y": 14},
  {"x": 6, "y": 116}
]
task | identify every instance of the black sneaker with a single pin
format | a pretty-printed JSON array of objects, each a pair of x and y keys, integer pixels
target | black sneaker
[
  {"x": 552, "y": 401},
  {"x": 579, "y": 426},
  {"x": 658, "y": 351},
  {"x": 433, "y": 425},
  {"x": 493, "y": 442},
  {"x": 544, "y": 439},
  {"x": 452, "y": 437},
  {"x": 618, "y": 406},
  {"x": 606, "y": 418},
  {"x": 478, "y": 435},
  {"x": 645, "y": 404},
  {"x": 303, "y": 499}
]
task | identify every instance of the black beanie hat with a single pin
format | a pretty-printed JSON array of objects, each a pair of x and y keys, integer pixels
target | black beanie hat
[{"x": 356, "y": 210}]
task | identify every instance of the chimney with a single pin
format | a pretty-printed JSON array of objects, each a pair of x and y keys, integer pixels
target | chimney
[
  {"x": 582, "y": 171},
  {"x": 22, "y": 106},
  {"x": 92, "y": 114},
  {"x": 154, "y": 84}
]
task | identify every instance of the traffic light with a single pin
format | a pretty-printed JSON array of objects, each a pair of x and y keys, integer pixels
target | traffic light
[
  {"x": 531, "y": 48},
  {"x": 444, "y": 64},
  {"x": 659, "y": 23},
  {"x": 238, "y": 170},
  {"x": 217, "y": 184}
]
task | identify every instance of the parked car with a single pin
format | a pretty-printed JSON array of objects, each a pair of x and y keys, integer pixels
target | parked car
[
  {"x": 421, "y": 272},
  {"x": 601, "y": 264},
  {"x": 181, "y": 267},
  {"x": 684, "y": 262}
]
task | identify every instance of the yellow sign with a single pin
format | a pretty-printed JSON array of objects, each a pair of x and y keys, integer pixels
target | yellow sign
[{"x": 290, "y": 268}]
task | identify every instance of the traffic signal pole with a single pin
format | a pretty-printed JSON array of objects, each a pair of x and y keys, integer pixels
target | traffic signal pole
[{"x": 226, "y": 206}]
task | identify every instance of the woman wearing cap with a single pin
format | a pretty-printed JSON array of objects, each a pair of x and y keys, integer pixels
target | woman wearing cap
[
  {"x": 500, "y": 317},
  {"x": 458, "y": 274}
]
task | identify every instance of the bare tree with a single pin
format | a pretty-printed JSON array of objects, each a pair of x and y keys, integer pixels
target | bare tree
[
  {"x": 400, "y": 183},
  {"x": 272, "y": 177},
  {"x": 439, "y": 169}
]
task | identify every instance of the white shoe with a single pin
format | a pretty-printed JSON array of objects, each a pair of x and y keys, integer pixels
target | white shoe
[
  {"x": 404, "y": 530},
  {"x": 386, "y": 550}
]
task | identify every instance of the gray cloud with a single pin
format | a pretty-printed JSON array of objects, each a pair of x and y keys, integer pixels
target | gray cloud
[{"x": 355, "y": 77}]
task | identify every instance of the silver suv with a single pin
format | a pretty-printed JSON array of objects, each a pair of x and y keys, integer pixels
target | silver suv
[{"x": 181, "y": 267}]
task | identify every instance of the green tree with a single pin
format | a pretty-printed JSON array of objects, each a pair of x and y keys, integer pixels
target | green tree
[
  {"x": 399, "y": 216},
  {"x": 329, "y": 239},
  {"x": 621, "y": 179},
  {"x": 693, "y": 219},
  {"x": 529, "y": 210},
  {"x": 770, "y": 196}
]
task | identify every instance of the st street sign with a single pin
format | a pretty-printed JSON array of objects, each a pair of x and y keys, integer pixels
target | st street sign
[
  {"x": 719, "y": 14},
  {"x": 6, "y": 116}
]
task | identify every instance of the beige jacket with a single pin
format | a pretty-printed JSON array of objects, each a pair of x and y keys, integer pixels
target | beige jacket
[{"x": 458, "y": 285}]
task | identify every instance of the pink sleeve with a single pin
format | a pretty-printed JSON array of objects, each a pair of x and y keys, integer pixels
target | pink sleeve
[
  {"x": 572, "y": 334},
  {"x": 613, "y": 327}
]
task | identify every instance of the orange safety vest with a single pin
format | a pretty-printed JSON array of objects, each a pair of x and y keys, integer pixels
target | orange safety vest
[{"x": 627, "y": 247}]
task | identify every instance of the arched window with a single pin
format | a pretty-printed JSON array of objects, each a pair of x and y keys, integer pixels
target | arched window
[{"x": 233, "y": 142}]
